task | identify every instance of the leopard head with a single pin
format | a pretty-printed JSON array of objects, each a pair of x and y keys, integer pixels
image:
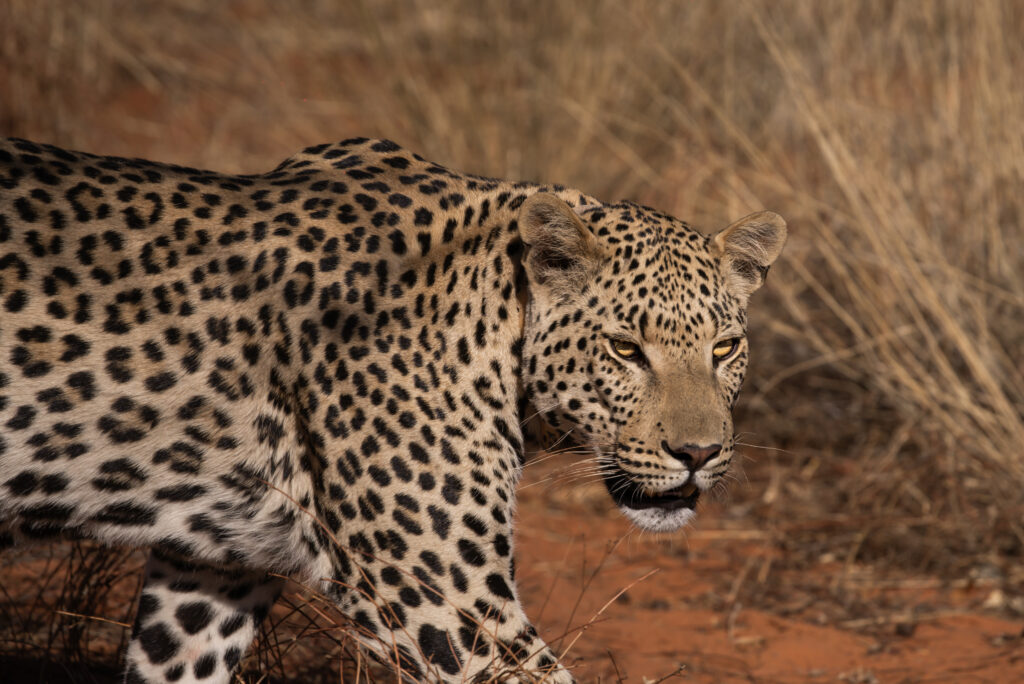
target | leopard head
[{"x": 634, "y": 343}]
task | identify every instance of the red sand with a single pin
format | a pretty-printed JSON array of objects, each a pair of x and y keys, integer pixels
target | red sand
[
  {"x": 682, "y": 615},
  {"x": 683, "y": 609}
]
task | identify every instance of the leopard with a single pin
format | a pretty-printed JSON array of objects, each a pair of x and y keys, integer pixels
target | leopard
[{"x": 323, "y": 373}]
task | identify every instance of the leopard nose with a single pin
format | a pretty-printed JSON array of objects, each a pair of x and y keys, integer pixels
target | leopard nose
[{"x": 692, "y": 455}]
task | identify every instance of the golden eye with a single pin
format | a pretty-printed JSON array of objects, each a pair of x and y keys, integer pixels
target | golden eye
[
  {"x": 724, "y": 349},
  {"x": 626, "y": 350}
]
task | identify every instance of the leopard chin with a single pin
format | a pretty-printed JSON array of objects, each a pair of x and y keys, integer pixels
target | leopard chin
[
  {"x": 659, "y": 519},
  {"x": 657, "y": 511}
]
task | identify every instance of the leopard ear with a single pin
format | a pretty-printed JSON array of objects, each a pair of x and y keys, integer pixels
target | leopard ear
[
  {"x": 748, "y": 247},
  {"x": 562, "y": 253}
]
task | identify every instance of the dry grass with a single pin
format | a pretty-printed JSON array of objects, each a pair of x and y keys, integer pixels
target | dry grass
[{"x": 889, "y": 344}]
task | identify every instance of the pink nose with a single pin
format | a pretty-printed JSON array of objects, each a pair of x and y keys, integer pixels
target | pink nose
[{"x": 692, "y": 455}]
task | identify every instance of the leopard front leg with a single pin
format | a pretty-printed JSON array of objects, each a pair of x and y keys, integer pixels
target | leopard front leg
[
  {"x": 443, "y": 610},
  {"x": 499, "y": 644},
  {"x": 195, "y": 622},
  {"x": 524, "y": 660}
]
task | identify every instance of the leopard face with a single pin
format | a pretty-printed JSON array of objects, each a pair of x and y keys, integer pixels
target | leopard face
[{"x": 635, "y": 344}]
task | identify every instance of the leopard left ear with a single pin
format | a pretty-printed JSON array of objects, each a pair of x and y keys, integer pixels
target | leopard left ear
[
  {"x": 748, "y": 247},
  {"x": 561, "y": 252}
]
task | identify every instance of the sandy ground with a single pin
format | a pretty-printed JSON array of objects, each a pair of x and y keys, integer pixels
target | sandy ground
[
  {"x": 683, "y": 607},
  {"x": 721, "y": 602}
]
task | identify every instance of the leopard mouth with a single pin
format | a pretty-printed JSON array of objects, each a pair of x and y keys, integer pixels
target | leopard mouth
[{"x": 629, "y": 494}]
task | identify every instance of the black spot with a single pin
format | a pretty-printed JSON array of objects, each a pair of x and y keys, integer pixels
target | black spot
[
  {"x": 440, "y": 521},
  {"x": 205, "y": 666},
  {"x": 393, "y": 616},
  {"x": 181, "y": 492},
  {"x": 158, "y": 643},
  {"x": 410, "y": 597},
  {"x": 160, "y": 382},
  {"x": 133, "y": 676},
  {"x": 16, "y": 301},
  {"x": 148, "y": 605},
  {"x": 22, "y": 418},
  {"x": 194, "y": 616},
  {"x": 499, "y": 587},
  {"x": 397, "y": 239},
  {"x": 363, "y": 620},
  {"x": 126, "y": 513},
  {"x": 438, "y": 648},
  {"x": 84, "y": 382},
  {"x": 231, "y": 658},
  {"x": 118, "y": 431},
  {"x": 119, "y": 474},
  {"x": 401, "y": 470},
  {"x": 239, "y": 592},
  {"x": 501, "y": 545},
  {"x": 463, "y": 347},
  {"x": 390, "y": 575},
  {"x": 459, "y": 579},
  {"x": 53, "y": 484},
  {"x": 54, "y": 512},
  {"x": 418, "y": 452},
  {"x": 406, "y": 522},
  {"x": 399, "y": 200},
  {"x": 471, "y": 553},
  {"x": 452, "y": 490},
  {"x": 379, "y": 475},
  {"x": 423, "y": 217},
  {"x": 233, "y": 624},
  {"x": 474, "y": 523},
  {"x": 432, "y": 561},
  {"x": 22, "y": 484}
]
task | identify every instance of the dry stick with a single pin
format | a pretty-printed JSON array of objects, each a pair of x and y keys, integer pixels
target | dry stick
[
  {"x": 615, "y": 665},
  {"x": 308, "y": 603},
  {"x": 97, "y": 618},
  {"x": 364, "y": 635},
  {"x": 674, "y": 673},
  {"x": 281, "y": 652},
  {"x": 580, "y": 630},
  {"x": 737, "y": 583},
  {"x": 586, "y": 585},
  {"x": 271, "y": 642},
  {"x": 551, "y": 587},
  {"x": 828, "y": 359}
]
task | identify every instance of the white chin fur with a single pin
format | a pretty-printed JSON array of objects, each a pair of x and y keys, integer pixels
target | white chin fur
[{"x": 658, "y": 519}]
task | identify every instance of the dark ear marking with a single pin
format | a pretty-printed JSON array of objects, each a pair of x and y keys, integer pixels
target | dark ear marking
[{"x": 748, "y": 248}]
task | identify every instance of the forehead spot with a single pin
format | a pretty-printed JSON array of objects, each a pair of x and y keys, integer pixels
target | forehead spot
[{"x": 661, "y": 283}]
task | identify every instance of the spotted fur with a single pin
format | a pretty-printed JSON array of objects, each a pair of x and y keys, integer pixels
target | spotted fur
[{"x": 322, "y": 371}]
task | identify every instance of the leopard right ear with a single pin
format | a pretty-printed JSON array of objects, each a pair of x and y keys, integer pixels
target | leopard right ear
[
  {"x": 748, "y": 248},
  {"x": 562, "y": 252}
]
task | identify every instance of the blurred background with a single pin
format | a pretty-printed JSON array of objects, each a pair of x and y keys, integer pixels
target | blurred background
[{"x": 882, "y": 482}]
